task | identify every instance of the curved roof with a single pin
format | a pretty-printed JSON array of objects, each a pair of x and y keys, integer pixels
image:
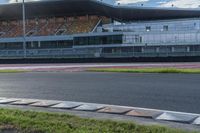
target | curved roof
[{"x": 92, "y": 7}]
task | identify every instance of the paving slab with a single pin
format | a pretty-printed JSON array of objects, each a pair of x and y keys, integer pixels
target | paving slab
[
  {"x": 177, "y": 117},
  {"x": 67, "y": 105},
  {"x": 115, "y": 110},
  {"x": 24, "y": 102},
  {"x": 45, "y": 103},
  {"x": 9, "y": 100},
  {"x": 144, "y": 113},
  {"x": 197, "y": 121},
  {"x": 90, "y": 107}
]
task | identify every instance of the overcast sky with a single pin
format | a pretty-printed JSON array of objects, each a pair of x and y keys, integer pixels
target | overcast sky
[{"x": 148, "y": 3}]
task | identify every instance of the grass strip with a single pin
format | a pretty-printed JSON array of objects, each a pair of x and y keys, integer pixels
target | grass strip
[
  {"x": 146, "y": 70},
  {"x": 40, "y": 122},
  {"x": 12, "y": 71}
]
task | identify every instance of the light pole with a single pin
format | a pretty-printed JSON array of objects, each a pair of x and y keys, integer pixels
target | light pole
[{"x": 24, "y": 28}]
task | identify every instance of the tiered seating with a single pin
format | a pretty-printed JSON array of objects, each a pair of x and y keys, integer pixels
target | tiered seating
[
  {"x": 82, "y": 24},
  {"x": 6, "y": 28},
  {"x": 41, "y": 24},
  {"x": 31, "y": 27},
  {"x": 17, "y": 29},
  {"x": 49, "y": 26},
  {"x": 106, "y": 20},
  {"x": 52, "y": 26},
  {"x": 3, "y": 29},
  {"x": 63, "y": 29}
]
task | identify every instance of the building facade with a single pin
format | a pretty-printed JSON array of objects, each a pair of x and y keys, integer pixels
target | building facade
[{"x": 107, "y": 33}]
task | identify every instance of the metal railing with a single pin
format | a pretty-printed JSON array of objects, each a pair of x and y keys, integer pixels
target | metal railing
[{"x": 64, "y": 53}]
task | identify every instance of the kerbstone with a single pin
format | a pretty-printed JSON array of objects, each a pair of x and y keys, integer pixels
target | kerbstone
[
  {"x": 67, "y": 105},
  {"x": 24, "y": 102},
  {"x": 177, "y": 117},
  {"x": 115, "y": 110},
  {"x": 45, "y": 103},
  {"x": 144, "y": 113},
  {"x": 7, "y": 101},
  {"x": 197, "y": 121},
  {"x": 89, "y": 107}
]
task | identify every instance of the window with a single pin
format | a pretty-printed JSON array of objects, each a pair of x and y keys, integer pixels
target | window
[
  {"x": 81, "y": 40},
  {"x": 117, "y": 39},
  {"x": 148, "y": 28},
  {"x": 138, "y": 39},
  {"x": 3, "y": 45},
  {"x": 14, "y": 45},
  {"x": 65, "y": 44},
  {"x": 32, "y": 45},
  {"x": 98, "y": 40},
  {"x": 165, "y": 28}
]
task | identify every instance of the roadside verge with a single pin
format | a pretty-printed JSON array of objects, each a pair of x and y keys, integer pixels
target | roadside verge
[{"x": 89, "y": 112}]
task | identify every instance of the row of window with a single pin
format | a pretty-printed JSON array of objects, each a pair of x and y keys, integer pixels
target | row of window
[
  {"x": 68, "y": 44},
  {"x": 50, "y": 44},
  {"x": 13, "y": 45},
  {"x": 98, "y": 40},
  {"x": 152, "y": 49},
  {"x": 94, "y": 40},
  {"x": 37, "y": 45},
  {"x": 165, "y": 28}
]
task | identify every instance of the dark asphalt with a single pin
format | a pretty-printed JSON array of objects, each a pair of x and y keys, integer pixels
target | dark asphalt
[{"x": 176, "y": 92}]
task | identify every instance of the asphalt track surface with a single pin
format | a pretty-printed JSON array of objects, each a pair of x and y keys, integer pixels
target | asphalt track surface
[{"x": 175, "y": 92}]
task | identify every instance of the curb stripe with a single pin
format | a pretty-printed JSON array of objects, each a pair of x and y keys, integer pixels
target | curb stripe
[{"x": 154, "y": 114}]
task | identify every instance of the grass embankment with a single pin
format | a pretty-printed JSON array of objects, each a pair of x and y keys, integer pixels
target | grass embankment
[
  {"x": 39, "y": 122},
  {"x": 12, "y": 71},
  {"x": 147, "y": 70}
]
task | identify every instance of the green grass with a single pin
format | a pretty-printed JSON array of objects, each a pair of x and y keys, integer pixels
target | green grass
[
  {"x": 147, "y": 70},
  {"x": 40, "y": 122},
  {"x": 12, "y": 71}
]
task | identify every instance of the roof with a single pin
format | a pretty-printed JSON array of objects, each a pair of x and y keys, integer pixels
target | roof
[{"x": 47, "y": 8}]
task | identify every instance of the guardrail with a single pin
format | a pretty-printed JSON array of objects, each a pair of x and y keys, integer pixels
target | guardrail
[
  {"x": 63, "y": 53},
  {"x": 152, "y": 54}
]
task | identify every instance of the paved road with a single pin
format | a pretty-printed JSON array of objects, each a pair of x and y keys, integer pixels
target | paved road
[{"x": 177, "y": 92}]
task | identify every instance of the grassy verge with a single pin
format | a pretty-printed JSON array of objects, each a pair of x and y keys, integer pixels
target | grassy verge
[
  {"x": 147, "y": 70},
  {"x": 12, "y": 71},
  {"x": 39, "y": 122}
]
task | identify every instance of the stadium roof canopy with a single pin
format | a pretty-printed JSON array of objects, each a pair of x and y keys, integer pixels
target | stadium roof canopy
[{"x": 50, "y": 8}]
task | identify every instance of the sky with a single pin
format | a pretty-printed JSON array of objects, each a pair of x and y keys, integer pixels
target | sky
[{"x": 147, "y": 3}]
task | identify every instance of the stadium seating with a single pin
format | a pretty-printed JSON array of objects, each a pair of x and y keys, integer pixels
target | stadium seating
[
  {"x": 31, "y": 27},
  {"x": 52, "y": 25},
  {"x": 17, "y": 29},
  {"x": 49, "y": 26},
  {"x": 11, "y": 29},
  {"x": 3, "y": 29},
  {"x": 82, "y": 24}
]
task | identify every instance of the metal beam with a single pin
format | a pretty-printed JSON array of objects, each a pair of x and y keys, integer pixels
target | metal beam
[{"x": 24, "y": 28}]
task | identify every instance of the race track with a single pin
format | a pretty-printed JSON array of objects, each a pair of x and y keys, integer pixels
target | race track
[{"x": 175, "y": 92}]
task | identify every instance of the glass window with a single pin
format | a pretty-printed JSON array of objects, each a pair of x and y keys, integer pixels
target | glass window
[
  {"x": 13, "y": 45},
  {"x": 2, "y": 45},
  {"x": 138, "y": 39},
  {"x": 165, "y": 28},
  {"x": 117, "y": 39},
  {"x": 148, "y": 28},
  {"x": 98, "y": 40}
]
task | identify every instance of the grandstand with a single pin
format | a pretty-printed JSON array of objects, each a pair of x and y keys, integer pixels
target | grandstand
[{"x": 76, "y": 29}]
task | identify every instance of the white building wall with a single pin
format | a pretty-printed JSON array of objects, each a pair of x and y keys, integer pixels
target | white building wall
[{"x": 178, "y": 32}]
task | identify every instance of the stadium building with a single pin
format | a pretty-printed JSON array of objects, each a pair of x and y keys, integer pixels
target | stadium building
[{"x": 89, "y": 29}]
